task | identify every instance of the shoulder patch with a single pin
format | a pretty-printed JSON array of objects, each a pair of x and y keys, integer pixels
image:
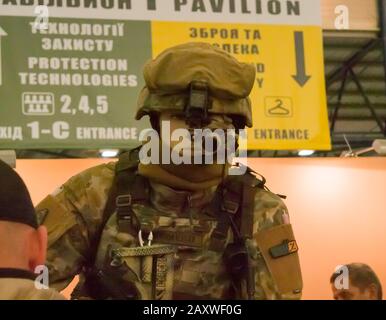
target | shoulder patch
[{"x": 55, "y": 217}]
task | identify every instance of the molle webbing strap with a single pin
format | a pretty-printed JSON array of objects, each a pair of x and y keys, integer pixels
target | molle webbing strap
[
  {"x": 226, "y": 204},
  {"x": 131, "y": 188},
  {"x": 127, "y": 162},
  {"x": 246, "y": 226},
  {"x": 219, "y": 235},
  {"x": 249, "y": 189},
  {"x": 234, "y": 200},
  {"x": 122, "y": 185},
  {"x": 237, "y": 206}
]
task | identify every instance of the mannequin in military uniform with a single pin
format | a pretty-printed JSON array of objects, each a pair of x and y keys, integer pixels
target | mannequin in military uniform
[{"x": 165, "y": 231}]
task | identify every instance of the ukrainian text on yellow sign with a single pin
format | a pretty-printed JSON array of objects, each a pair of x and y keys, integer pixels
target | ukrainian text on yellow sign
[
  {"x": 77, "y": 84},
  {"x": 288, "y": 99}
]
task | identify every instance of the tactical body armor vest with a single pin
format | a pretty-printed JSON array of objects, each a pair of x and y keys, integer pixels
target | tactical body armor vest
[{"x": 141, "y": 253}]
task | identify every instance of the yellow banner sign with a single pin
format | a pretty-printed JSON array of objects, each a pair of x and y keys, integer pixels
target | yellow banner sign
[
  {"x": 288, "y": 99},
  {"x": 73, "y": 87}
]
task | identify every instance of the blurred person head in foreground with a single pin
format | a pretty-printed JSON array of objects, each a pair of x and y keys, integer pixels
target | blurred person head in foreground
[{"x": 23, "y": 242}]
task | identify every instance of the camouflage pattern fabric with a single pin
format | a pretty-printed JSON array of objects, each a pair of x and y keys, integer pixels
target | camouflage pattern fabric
[
  {"x": 169, "y": 76},
  {"x": 74, "y": 213},
  {"x": 24, "y": 289}
]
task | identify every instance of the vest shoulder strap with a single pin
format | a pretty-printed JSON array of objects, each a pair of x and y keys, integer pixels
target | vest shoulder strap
[
  {"x": 234, "y": 208},
  {"x": 125, "y": 170},
  {"x": 237, "y": 206},
  {"x": 238, "y": 199}
]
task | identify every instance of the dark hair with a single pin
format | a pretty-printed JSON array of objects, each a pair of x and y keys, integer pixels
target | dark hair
[{"x": 361, "y": 276}]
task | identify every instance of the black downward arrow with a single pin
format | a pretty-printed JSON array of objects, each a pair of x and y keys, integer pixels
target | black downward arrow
[{"x": 301, "y": 77}]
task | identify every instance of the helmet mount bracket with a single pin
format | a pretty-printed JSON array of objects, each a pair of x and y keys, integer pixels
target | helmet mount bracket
[{"x": 196, "y": 110}]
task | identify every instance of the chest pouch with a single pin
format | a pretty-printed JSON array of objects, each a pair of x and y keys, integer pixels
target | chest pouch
[{"x": 149, "y": 268}]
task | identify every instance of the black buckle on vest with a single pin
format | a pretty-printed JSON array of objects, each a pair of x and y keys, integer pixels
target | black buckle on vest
[
  {"x": 230, "y": 206},
  {"x": 123, "y": 201}
]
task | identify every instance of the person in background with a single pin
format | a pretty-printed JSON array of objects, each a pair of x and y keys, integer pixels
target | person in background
[
  {"x": 23, "y": 243},
  {"x": 363, "y": 283}
]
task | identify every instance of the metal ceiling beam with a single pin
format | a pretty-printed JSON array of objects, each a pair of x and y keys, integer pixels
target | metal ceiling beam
[
  {"x": 351, "y": 62},
  {"x": 356, "y": 136},
  {"x": 367, "y": 100},
  {"x": 354, "y": 117},
  {"x": 339, "y": 103},
  {"x": 351, "y": 90},
  {"x": 384, "y": 130},
  {"x": 382, "y": 11}
]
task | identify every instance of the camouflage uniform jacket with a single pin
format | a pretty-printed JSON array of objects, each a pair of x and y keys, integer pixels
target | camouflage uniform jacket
[
  {"x": 73, "y": 215},
  {"x": 16, "y": 284}
]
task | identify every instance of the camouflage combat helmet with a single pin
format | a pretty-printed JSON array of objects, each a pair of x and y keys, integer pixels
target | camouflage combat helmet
[{"x": 197, "y": 78}]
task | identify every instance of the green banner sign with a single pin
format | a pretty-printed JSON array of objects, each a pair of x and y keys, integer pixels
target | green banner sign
[
  {"x": 73, "y": 85},
  {"x": 71, "y": 70}
]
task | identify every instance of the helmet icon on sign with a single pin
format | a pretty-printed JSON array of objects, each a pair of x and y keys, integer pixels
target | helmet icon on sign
[{"x": 38, "y": 103}]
